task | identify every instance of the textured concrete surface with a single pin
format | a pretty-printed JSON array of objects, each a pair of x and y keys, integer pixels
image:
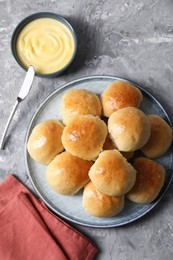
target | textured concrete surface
[{"x": 131, "y": 39}]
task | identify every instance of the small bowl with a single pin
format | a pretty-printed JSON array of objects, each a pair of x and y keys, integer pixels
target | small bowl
[{"x": 31, "y": 18}]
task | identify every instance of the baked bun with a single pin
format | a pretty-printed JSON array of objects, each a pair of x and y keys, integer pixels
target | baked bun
[
  {"x": 80, "y": 102},
  {"x": 111, "y": 174},
  {"x": 150, "y": 178},
  {"x": 129, "y": 128},
  {"x": 100, "y": 205},
  {"x": 110, "y": 145},
  {"x": 160, "y": 138},
  {"x": 44, "y": 142},
  {"x": 67, "y": 174},
  {"x": 84, "y": 137},
  {"x": 119, "y": 94}
]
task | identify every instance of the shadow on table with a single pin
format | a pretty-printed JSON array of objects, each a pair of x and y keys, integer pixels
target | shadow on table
[{"x": 86, "y": 38}]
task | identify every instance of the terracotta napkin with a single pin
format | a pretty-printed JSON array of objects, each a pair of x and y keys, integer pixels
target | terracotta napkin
[{"x": 29, "y": 231}]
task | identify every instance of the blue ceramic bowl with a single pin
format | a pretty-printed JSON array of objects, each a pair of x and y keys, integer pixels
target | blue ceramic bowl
[{"x": 29, "y": 19}]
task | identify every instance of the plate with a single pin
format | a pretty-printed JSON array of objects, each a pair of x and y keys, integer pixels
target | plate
[{"x": 70, "y": 207}]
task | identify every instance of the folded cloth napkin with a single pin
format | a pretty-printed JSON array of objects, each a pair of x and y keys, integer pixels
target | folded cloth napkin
[{"x": 30, "y": 231}]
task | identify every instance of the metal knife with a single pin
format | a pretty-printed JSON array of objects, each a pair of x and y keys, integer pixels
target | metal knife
[{"x": 22, "y": 94}]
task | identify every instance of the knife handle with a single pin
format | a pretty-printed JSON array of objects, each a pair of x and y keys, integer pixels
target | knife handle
[{"x": 8, "y": 123}]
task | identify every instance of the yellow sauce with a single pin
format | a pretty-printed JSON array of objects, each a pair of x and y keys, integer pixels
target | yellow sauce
[{"x": 46, "y": 44}]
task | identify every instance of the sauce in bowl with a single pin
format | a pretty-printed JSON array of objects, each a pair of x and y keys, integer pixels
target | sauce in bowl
[{"x": 46, "y": 44}]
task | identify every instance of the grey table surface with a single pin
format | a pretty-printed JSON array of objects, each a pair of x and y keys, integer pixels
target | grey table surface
[{"x": 130, "y": 39}]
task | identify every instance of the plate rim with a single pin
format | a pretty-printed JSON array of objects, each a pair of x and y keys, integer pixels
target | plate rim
[{"x": 59, "y": 214}]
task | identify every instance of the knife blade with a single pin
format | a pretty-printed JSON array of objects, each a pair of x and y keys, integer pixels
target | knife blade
[{"x": 27, "y": 83}]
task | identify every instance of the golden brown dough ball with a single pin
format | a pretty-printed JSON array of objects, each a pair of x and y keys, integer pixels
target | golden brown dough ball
[
  {"x": 160, "y": 138},
  {"x": 85, "y": 136},
  {"x": 100, "y": 205},
  {"x": 80, "y": 102},
  {"x": 150, "y": 178},
  {"x": 109, "y": 145},
  {"x": 129, "y": 128},
  {"x": 119, "y": 94},
  {"x": 44, "y": 142},
  {"x": 111, "y": 174},
  {"x": 67, "y": 174}
]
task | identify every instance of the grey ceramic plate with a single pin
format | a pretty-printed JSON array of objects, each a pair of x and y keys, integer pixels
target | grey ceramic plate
[{"x": 70, "y": 207}]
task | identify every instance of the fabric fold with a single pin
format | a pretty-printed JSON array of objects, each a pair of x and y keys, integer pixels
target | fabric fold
[{"x": 29, "y": 228}]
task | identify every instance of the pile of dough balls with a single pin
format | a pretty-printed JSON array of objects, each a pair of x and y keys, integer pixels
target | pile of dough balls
[{"x": 92, "y": 147}]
